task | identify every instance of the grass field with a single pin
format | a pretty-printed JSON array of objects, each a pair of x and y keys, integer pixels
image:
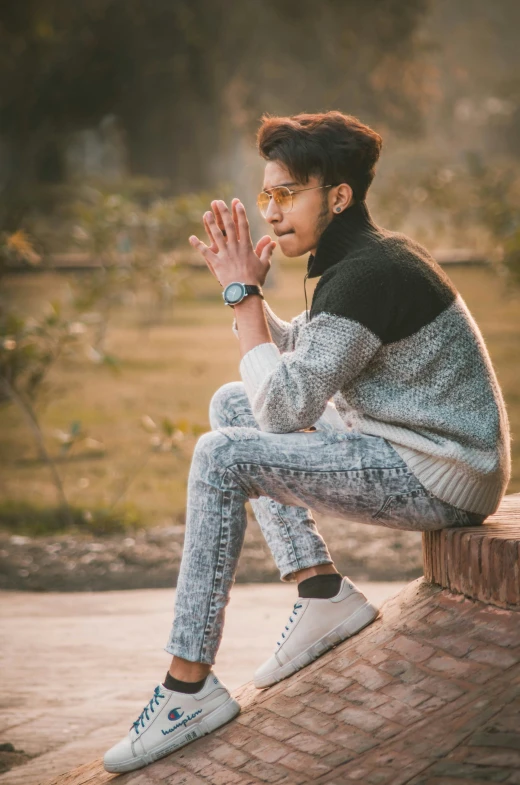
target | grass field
[{"x": 171, "y": 370}]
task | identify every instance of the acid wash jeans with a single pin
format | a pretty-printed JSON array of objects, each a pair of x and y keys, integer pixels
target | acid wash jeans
[{"x": 333, "y": 470}]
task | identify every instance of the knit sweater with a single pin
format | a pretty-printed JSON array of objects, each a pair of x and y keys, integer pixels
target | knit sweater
[{"x": 392, "y": 344}]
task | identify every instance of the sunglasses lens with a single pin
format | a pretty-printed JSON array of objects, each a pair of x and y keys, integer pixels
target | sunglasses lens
[
  {"x": 263, "y": 202},
  {"x": 281, "y": 195}
]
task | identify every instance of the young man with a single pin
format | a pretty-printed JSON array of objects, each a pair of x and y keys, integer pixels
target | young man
[{"x": 380, "y": 405}]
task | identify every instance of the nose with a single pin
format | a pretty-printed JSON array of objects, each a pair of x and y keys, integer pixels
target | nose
[{"x": 273, "y": 213}]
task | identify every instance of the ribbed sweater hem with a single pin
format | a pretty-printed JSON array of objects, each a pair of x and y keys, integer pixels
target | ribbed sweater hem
[
  {"x": 454, "y": 481},
  {"x": 451, "y": 482}
]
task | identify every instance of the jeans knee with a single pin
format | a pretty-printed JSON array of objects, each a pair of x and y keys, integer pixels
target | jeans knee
[
  {"x": 223, "y": 404},
  {"x": 207, "y": 454},
  {"x": 209, "y": 442}
]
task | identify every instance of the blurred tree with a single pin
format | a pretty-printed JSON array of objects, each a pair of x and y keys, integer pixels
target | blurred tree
[
  {"x": 29, "y": 348},
  {"x": 477, "y": 63},
  {"x": 183, "y": 77}
]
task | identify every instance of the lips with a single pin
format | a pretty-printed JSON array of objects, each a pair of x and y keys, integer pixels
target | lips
[{"x": 283, "y": 235}]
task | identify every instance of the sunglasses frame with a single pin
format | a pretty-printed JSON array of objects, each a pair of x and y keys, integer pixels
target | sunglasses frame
[{"x": 291, "y": 192}]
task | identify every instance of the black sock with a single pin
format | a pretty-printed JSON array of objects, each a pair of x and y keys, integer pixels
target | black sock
[
  {"x": 171, "y": 683},
  {"x": 320, "y": 586}
]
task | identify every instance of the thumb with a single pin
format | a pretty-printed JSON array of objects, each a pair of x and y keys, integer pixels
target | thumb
[
  {"x": 267, "y": 252},
  {"x": 264, "y": 241}
]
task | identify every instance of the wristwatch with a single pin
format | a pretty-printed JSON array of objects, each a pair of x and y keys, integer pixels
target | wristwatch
[{"x": 235, "y": 292}]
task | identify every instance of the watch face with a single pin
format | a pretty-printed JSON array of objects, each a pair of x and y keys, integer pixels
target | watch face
[{"x": 234, "y": 292}]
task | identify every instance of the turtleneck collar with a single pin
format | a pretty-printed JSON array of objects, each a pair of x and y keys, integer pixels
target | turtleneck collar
[{"x": 340, "y": 236}]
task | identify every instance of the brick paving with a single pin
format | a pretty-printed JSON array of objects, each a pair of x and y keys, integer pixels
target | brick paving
[
  {"x": 99, "y": 657},
  {"x": 429, "y": 694}
]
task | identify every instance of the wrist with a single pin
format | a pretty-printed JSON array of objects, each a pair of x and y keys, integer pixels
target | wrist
[{"x": 251, "y": 299}]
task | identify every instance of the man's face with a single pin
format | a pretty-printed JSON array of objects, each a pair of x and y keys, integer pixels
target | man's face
[{"x": 298, "y": 230}]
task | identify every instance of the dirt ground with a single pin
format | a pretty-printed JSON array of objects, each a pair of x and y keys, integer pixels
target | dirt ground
[{"x": 150, "y": 559}]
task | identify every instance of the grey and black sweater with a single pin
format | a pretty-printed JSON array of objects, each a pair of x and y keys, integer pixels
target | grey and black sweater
[{"x": 390, "y": 341}]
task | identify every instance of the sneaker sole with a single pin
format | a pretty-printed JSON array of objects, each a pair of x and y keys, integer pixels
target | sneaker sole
[
  {"x": 360, "y": 619},
  {"x": 211, "y": 722}
]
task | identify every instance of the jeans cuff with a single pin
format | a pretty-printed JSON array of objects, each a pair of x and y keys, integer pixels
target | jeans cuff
[{"x": 172, "y": 649}]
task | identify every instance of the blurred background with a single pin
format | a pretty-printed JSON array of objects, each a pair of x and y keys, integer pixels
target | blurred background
[{"x": 120, "y": 122}]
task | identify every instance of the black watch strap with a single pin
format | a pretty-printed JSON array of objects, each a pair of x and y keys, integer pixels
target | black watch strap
[{"x": 253, "y": 289}]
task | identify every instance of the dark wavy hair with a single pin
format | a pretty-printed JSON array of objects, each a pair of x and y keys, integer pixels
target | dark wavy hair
[{"x": 335, "y": 147}]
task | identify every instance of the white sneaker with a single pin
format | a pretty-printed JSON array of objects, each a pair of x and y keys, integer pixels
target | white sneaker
[
  {"x": 171, "y": 720},
  {"x": 316, "y": 625}
]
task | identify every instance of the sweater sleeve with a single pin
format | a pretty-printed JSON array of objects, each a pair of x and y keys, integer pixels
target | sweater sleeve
[
  {"x": 284, "y": 334},
  {"x": 291, "y": 391}
]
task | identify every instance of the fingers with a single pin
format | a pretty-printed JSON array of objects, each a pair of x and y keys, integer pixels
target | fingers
[
  {"x": 214, "y": 246},
  {"x": 224, "y": 228},
  {"x": 243, "y": 224},
  {"x": 218, "y": 216},
  {"x": 218, "y": 206},
  {"x": 227, "y": 220},
  {"x": 235, "y": 216},
  {"x": 206, "y": 252},
  {"x": 215, "y": 232},
  {"x": 219, "y": 219}
]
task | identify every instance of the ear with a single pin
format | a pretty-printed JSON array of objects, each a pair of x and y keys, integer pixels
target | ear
[{"x": 343, "y": 197}]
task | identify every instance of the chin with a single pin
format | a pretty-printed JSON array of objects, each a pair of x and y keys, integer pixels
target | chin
[{"x": 291, "y": 249}]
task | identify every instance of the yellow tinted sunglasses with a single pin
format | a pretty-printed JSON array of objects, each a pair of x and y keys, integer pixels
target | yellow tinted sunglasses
[{"x": 282, "y": 195}]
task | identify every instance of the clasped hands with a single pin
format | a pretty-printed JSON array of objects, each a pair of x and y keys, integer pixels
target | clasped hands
[{"x": 231, "y": 256}]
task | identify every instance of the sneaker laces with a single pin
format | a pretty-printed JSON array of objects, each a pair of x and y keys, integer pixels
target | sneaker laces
[
  {"x": 295, "y": 612},
  {"x": 149, "y": 707}
]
